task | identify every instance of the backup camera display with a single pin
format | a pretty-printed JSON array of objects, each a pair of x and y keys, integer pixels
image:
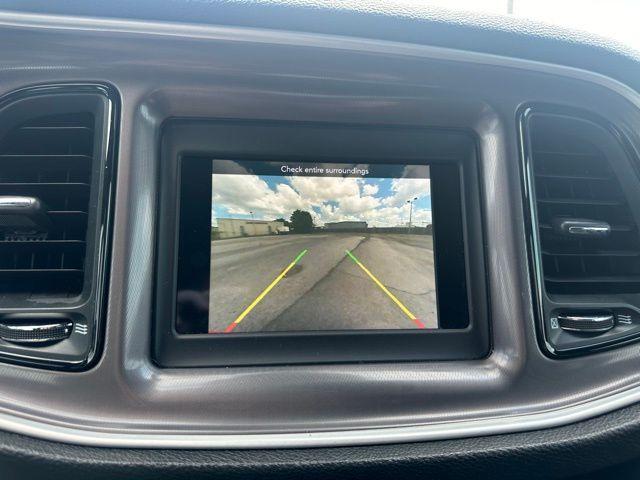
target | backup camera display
[{"x": 299, "y": 246}]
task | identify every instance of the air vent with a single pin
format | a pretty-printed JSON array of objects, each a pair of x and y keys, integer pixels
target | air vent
[
  {"x": 56, "y": 188},
  {"x": 49, "y": 158},
  {"x": 589, "y": 240}
]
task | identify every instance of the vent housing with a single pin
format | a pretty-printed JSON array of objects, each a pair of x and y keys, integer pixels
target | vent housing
[
  {"x": 578, "y": 173},
  {"x": 56, "y": 174},
  {"x": 51, "y": 158}
]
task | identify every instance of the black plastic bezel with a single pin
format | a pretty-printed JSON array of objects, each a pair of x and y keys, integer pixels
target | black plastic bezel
[{"x": 323, "y": 143}]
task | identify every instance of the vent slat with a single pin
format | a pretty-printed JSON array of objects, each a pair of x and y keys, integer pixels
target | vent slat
[
  {"x": 608, "y": 253},
  {"x": 51, "y": 277},
  {"x": 618, "y": 279},
  {"x": 50, "y": 169},
  {"x": 54, "y": 157},
  {"x": 574, "y": 177},
  {"x": 575, "y": 180},
  {"x": 580, "y": 201},
  {"x": 42, "y": 270},
  {"x": 5, "y": 186},
  {"x": 559, "y": 153},
  {"x": 48, "y": 128},
  {"x": 10, "y": 247},
  {"x": 66, "y": 213},
  {"x": 50, "y": 141}
]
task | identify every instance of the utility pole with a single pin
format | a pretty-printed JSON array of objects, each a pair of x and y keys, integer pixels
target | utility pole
[
  {"x": 410, "y": 202},
  {"x": 510, "y": 7}
]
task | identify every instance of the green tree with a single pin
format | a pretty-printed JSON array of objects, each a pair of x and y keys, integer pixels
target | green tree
[
  {"x": 286, "y": 223},
  {"x": 301, "y": 222}
]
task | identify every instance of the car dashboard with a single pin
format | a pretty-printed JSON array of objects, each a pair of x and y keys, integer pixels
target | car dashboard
[{"x": 531, "y": 142}]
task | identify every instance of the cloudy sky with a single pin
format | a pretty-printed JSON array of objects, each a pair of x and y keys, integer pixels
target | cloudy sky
[{"x": 378, "y": 201}]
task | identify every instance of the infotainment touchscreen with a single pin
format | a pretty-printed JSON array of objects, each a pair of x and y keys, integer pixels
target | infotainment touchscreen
[
  {"x": 320, "y": 246},
  {"x": 288, "y": 244}
]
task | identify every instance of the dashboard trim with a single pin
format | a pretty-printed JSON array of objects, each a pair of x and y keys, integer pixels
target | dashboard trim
[
  {"x": 372, "y": 436},
  {"x": 365, "y": 436},
  {"x": 273, "y": 37}
]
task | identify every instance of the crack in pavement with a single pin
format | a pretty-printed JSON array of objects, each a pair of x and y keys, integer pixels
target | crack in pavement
[{"x": 312, "y": 287}]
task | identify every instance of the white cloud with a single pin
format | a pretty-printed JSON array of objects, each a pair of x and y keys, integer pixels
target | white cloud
[
  {"x": 357, "y": 204},
  {"x": 397, "y": 216},
  {"x": 345, "y": 192},
  {"x": 329, "y": 213},
  {"x": 318, "y": 190},
  {"x": 406, "y": 189},
  {"x": 241, "y": 194},
  {"x": 370, "y": 189}
]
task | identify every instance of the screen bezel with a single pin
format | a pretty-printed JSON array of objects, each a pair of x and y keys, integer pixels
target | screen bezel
[{"x": 203, "y": 141}]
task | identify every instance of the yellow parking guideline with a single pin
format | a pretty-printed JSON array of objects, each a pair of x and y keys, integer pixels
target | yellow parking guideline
[
  {"x": 406, "y": 311},
  {"x": 247, "y": 310}
]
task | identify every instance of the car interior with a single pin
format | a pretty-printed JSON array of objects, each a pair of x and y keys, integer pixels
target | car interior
[{"x": 319, "y": 239}]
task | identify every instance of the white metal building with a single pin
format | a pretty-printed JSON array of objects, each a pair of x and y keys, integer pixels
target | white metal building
[
  {"x": 347, "y": 225},
  {"x": 240, "y": 227}
]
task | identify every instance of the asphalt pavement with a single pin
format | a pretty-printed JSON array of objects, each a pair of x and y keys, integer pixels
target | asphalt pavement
[{"x": 388, "y": 283}]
